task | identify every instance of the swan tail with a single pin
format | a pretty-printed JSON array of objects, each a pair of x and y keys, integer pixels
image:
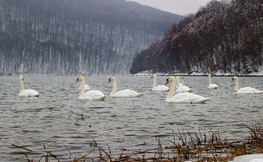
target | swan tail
[
  {"x": 203, "y": 100},
  {"x": 100, "y": 98},
  {"x": 37, "y": 95},
  {"x": 140, "y": 94},
  {"x": 190, "y": 90}
]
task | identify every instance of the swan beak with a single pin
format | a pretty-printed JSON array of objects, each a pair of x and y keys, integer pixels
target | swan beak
[
  {"x": 232, "y": 79},
  {"x": 167, "y": 81},
  {"x": 77, "y": 80},
  {"x": 109, "y": 81}
]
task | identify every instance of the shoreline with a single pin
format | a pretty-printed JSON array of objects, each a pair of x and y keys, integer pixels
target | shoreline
[{"x": 194, "y": 146}]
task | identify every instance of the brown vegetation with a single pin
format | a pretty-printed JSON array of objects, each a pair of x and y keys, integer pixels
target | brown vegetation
[{"x": 224, "y": 36}]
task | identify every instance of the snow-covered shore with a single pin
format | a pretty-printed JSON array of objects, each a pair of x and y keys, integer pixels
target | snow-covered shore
[{"x": 147, "y": 73}]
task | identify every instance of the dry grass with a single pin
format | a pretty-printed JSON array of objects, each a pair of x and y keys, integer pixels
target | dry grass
[{"x": 193, "y": 147}]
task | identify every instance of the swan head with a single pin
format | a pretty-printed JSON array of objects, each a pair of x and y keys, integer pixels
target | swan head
[
  {"x": 79, "y": 79},
  {"x": 111, "y": 79},
  {"x": 169, "y": 79},
  {"x": 234, "y": 78},
  {"x": 21, "y": 77},
  {"x": 153, "y": 76}
]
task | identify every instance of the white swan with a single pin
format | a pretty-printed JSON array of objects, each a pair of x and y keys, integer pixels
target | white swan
[
  {"x": 245, "y": 89},
  {"x": 86, "y": 87},
  {"x": 158, "y": 88},
  {"x": 182, "y": 97},
  {"x": 181, "y": 88},
  {"x": 123, "y": 93},
  {"x": 211, "y": 86},
  {"x": 90, "y": 95},
  {"x": 26, "y": 92}
]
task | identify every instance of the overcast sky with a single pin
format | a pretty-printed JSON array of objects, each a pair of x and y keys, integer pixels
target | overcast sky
[{"x": 181, "y": 7}]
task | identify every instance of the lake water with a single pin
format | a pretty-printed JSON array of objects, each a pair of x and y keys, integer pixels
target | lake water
[{"x": 57, "y": 120}]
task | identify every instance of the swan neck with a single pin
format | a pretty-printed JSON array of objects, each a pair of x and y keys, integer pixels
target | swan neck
[
  {"x": 82, "y": 87},
  {"x": 210, "y": 80},
  {"x": 154, "y": 82},
  {"x": 237, "y": 85},
  {"x": 114, "y": 87},
  {"x": 171, "y": 91},
  {"x": 178, "y": 82},
  {"x": 21, "y": 85}
]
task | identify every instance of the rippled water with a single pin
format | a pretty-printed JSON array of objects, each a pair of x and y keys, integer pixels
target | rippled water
[{"x": 57, "y": 120}]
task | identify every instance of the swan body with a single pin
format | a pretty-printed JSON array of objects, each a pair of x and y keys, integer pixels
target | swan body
[
  {"x": 211, "y": 86},
  {"x": 26, "y": 92},
  {"x": 86, "y": 87},
  {"x": 183, "y": 97},
  {"x": 127, "y": 93},
  {"x": 245, "y": 89},
  {"x": 91, "y": 95},
  {"x": 95, "y": 95},
  {"x": 181, "y": 88},
  {"x": 158, "y": 88}
]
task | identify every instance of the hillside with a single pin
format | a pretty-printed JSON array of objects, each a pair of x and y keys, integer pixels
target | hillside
[
  {"x": 76, "y": 36},
  {"x": 222, "y": 37}
]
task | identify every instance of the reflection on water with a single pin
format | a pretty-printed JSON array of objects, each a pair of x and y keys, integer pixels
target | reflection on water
[{"x": 57, "y": 119}]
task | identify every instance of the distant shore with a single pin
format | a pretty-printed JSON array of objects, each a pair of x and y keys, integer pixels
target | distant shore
[{"x": 146, "y": 73}]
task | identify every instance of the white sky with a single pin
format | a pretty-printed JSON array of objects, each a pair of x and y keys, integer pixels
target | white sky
[{"x": 181, "y": 7}]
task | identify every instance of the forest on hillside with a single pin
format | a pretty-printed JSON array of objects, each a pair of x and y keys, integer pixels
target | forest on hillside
[
  {"x": 224, "y": 36},
  {"x": 65, "y": 37}
]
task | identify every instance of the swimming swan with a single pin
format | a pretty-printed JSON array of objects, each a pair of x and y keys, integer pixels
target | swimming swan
[
  {"x": 123, "y": 93},
  {"x": 89, "y": 95},
  {"x": 181, "y": 88},
  {"x": 182, "y": 97},
  {"x": 245, "y": 89},
  {"x": 86, "y": 87},
  {"x": 211, "y": 86},
  {"x": 158, "y": 88},
  {"x": 26, "y": 92}
]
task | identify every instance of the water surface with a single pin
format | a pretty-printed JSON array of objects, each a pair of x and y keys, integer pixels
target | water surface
[{"x": 57, "y": 120}]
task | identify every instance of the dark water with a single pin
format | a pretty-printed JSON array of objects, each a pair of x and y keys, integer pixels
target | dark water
[{"x": 57, "y": 120}]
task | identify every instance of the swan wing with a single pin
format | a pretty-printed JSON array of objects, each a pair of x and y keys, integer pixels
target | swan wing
[
  {"x": 28, "y": 93},
  {"x": 212, "y": 86},
  {"x": 160, "y": 88},
  {"x": 126, "y": 94},
  {"x": 93, "y": 95},
  {"x": 188, "y": 98},
  {"x": 249, "y": 90},
  {"x": 183, "y": 89}
]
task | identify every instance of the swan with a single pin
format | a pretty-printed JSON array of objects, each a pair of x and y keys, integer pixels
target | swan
[
  {"x": 86, "y": 87},
  {"x": 182, "y": 97},
  {"x": 158, "y": 88},
  {"x": 245, "y": 89},
  {"x": 211, "y": 86},
  {"x": 181, "y": 88},
  {"x": 123, "y": 93},
  {"x": 90, "y": 95},
  {"x": 26, "y": 92}
]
